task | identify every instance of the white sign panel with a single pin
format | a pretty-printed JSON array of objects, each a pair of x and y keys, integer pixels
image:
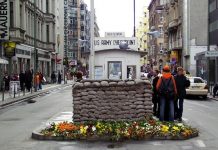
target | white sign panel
[
  {"x": 98, "y": 72},
  {"x": 114, "y": 34},
  {"x": 4, "y": 19},
  {"x": 101, "y": 43},
  {"x": 211, "y": 54}
]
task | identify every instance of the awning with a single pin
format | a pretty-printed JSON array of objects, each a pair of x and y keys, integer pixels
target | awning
[{"x": 3, "y": 61}]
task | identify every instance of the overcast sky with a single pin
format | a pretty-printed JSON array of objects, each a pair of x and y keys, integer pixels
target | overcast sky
[{"x": 117, "y": 15}]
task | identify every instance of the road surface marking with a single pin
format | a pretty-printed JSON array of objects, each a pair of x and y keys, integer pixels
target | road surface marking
[
  {"x": 200, "y": 144},
  {"x": 198, "y": 104}
]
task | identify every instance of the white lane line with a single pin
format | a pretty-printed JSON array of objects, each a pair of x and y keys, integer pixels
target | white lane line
[
  {"x": 201, "y": 105},
  {"x": 200, "y": 143},
  {"x": 185, "y": 119},
  {"x": 157, "y": 143}
]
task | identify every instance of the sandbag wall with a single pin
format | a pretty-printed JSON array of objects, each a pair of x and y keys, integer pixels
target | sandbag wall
[{"x": 111, "y": 100}]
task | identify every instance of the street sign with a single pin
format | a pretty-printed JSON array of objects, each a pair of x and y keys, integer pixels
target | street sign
[
  {"x": 211, "y": 54},
  {"x": 4, "y": 19}
]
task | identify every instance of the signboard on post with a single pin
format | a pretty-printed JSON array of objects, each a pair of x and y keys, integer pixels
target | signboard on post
[
  {"x": 114, "y": 43},
  {"x": 211, "y": 54},
  {"x": 14, "y": 87},
  {"x": 4, "y": 19}
]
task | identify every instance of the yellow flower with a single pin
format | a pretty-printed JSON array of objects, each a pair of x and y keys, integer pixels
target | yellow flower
[
  {"x": 175, "y": 128},
  {"x": 83, "y": 130},
  {"x": 164, "y": 128}
]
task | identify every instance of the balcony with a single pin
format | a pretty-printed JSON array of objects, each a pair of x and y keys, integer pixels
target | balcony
[
  {"x": 173, "y": 24},
  {"x": 49, "y": 46},
  {"x": 176, "y": 45},
  {"x": 49, "y": 17},
  {"x": 17, "y": 35}
]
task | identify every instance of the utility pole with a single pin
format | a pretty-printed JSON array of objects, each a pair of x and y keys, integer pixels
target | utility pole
[
  {"x": 134, "y": 18},
  {"x": 92, "y": 51},
  {"x": 35, "y": 50},
  {"x": 208, "y": 48}
]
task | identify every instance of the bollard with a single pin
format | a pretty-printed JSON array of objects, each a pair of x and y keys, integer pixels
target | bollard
[
  {"x": 14, "y": 91},
  {"x": 24, "y": 89},
  {"x": 3, "y": 91}
]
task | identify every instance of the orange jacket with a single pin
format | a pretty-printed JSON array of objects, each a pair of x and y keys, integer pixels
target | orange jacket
[{"x": 166, "y": 76}]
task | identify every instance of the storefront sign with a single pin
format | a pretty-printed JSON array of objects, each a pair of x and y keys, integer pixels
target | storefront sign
[
  {"x": 211, "y": 54},
  {"x": 114, "y": 43},
  {"x": 4, "y": 20},
  {"x": 9, "y": 48}
]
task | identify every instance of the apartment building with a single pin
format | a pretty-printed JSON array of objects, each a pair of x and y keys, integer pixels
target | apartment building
[
  {"x": 157, "y": 54},
  {"x": 142, "y": 36},
  {"x": 79, "y": 33},
  {"x": 21, "y": 35}
]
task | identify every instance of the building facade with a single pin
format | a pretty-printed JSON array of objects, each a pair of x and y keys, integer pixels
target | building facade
[
  {"x": 158, "y": 50},
  {"x": 79, "y": 33},
  {"x": 21, "y": 34},
  {"x": 213, "y": 36},
  {"x": 142, "y": 36},
  {"x": 59, "y": 39}
]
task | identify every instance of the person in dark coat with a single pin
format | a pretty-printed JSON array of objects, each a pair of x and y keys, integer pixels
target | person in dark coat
[
  {"x": 53, "y": 77},
  {"x": 181, "y": 83},
  {"x": 155, "y": 97},
  {"x": 28, "y": 80},
  {"x": 59, "y": 77},
  {"x": 7, "y": 81},
  {"x": 22, "y": 80}
]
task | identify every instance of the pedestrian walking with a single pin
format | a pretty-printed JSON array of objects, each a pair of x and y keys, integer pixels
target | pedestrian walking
[
  {"x": 22, "y": 80},
  {"x": 40, "y": 80},
  {"x": 36, "y": 81},
  {"x": 166, "y": 87},
  {"x": 7, "y": 81},
  {"x": 59, "y": 77},
  {"x": 181, "y": 83},
  {"x": 155, "y": 97},
  {"x": 53, "y": 77},
  {"x": 28, "y": 80}
]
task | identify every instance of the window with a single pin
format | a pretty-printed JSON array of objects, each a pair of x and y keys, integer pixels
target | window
[
  {"x": 198, "y": 80},
  {"x": 11, "y": 14},
  {"x": 82, "y": 28},
  {"x": 82, "y": 17},
  {"x": 47, "y": 6},
  {"x": 115, "y": 70},
  {"x": 47, "y": 33}
]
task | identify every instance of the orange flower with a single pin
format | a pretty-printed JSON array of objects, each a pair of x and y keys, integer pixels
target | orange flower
[{"x": 67, "y": 127}]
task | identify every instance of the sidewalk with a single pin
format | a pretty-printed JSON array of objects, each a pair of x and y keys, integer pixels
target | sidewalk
[
  {"x": 213, "y": 98},
  {"x": 9, "y": 99}
]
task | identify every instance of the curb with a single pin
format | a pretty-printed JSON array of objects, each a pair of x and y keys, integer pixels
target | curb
[
  {"x": 36, "y": 135},
  {"x": 212, "y": 98},
  {"x": 30, "y": 96}
]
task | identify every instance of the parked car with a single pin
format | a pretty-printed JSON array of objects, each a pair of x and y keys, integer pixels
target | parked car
[{"x": 198, "y": 87}]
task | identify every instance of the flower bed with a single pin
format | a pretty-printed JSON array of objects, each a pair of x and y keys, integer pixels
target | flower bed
[{"x": 116, "y": 131}]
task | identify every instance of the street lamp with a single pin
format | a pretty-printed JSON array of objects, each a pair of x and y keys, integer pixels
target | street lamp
[
  {"x": 35, "y": 50},
  {"x": 92, "y": 52},
  {"x": 134, "y": 18}
]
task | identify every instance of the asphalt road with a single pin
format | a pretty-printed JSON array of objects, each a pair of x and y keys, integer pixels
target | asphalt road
[{"x": 18, "y": 122}]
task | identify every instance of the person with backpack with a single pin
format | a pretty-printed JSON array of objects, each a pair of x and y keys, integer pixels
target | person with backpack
[
  {"x": 181, "y": 83},
  {"x": 166, "y": 87}
]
